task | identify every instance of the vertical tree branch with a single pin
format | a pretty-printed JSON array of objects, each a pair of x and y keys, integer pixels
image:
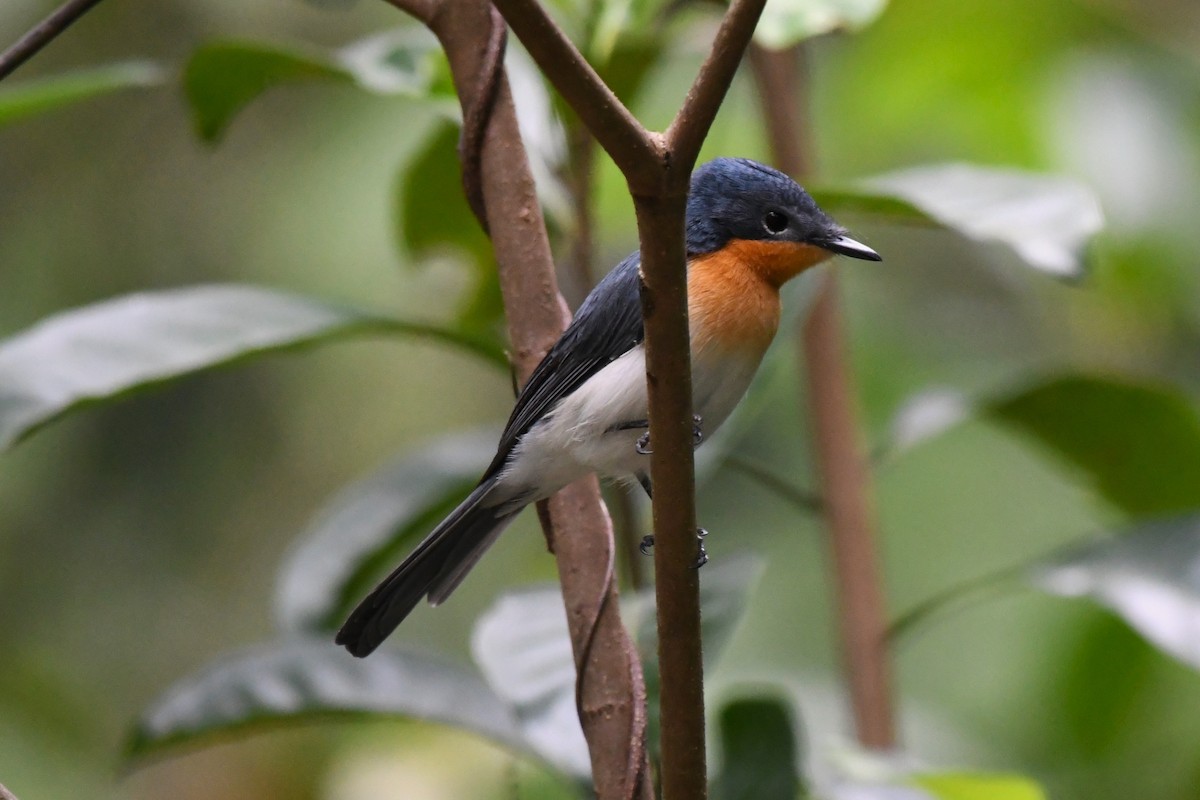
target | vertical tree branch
[
  {"x": 45, "y": 32},
  {"x": 610, "y": 691},
  {"x": 840, "y": 454}
]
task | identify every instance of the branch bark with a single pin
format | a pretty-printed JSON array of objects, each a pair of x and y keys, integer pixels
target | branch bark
[
  {"x": 840, "y": 455},
  {"x": 610, "y": 689},
  {"x": 42, "y": 34},
  {"x": 657, "y": 169}
]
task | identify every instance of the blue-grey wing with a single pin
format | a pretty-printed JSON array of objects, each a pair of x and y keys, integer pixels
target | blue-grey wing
[{"x": 607, "y": 325}]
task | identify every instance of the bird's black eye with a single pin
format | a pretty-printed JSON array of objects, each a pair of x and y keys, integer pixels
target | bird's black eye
[{"x": 775, "y": 222}]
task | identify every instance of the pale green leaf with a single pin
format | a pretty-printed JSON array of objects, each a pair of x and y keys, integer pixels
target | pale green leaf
[
  {"x": 788, "y": 22},
  {"x": 19, "y": 101},
  {"x": 973, "y": 786}
]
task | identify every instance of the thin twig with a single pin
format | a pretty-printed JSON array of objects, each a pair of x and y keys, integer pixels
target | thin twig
[
  {"x": 687, "y": 131},
  {"x": 42, "y": 34},
  {"x": 840, "y": 455},
  {"x": 617, "y": 130}
]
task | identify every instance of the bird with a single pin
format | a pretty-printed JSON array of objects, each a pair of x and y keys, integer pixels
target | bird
[{"x": 749, "y": 229}]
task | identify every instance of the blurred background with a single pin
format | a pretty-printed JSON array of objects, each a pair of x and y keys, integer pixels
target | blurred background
[{"x": 141, "y": 540}]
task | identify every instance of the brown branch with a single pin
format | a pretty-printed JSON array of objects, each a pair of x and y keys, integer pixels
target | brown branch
[
  {"x": 5, "y": 794},
  {"x": 687, "y": 131},
  {"x": 610, "y": 690},
  {"x": 657, "y": 174},
  {"x": 42, "y": 34},
  {"x": 840, "y": 455},
  {"x": 619, "y": 133},
  {"x": 677, "y": 582}
]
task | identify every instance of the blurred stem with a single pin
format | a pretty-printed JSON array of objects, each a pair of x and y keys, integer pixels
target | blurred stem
[
  {"x": 994, "y": 584},
  {"x": 42, "y": 34},
  {"x": 841, "y": 460},
  {"x": 803, "y": 500}
]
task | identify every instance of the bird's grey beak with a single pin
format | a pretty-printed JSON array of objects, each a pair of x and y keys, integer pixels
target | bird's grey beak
[{"x": 846, "y": 246}]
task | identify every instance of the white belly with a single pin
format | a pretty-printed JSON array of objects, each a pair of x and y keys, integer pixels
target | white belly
[{"x": 581, "y": 434}]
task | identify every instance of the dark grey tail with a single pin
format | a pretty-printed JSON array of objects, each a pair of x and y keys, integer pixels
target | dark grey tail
[{"x": 433, "y": 570}]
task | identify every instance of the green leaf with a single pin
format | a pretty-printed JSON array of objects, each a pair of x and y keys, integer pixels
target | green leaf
[
  {"x": 788, "y": 22},
  {"x": 758, "y": 746},
  {"x": 221, "y": 78},
  {"x": 1138, "y": 444},
  {"x": 365, "y": 528},
  {"x": 522, "y": 646},
  {"x": 21, "y": 100},
  {"x": 971, "y": 786},
  {"x": 303, "y": 680},
  {"x": 433, "y": 219},
  {"x": 1149, "y": 574},
  {"x": 1102, "y": 681},
  {"x": 1047, "y": 220},
  {"x": 103, "y": 352}
]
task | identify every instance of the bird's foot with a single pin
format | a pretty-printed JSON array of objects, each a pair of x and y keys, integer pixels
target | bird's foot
[
  {"x": 643, "y": 443},
  {"x": 701, "y": 554}
]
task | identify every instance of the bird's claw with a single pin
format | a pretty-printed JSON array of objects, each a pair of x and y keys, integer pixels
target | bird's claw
[
  {"x": 701, "y": 554},
  {"x": 643, "y": 443}
]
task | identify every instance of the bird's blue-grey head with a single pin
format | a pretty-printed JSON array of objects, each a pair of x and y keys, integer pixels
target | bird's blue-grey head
[{"x": 736, "y": 198}]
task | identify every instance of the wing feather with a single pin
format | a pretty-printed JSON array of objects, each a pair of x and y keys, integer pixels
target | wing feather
[{"x": 607, "y": 325}]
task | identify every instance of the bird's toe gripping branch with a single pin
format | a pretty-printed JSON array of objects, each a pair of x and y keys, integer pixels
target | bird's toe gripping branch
[
  {"x": 643, "y": 442},
  {"x": 701, "y": 554}
]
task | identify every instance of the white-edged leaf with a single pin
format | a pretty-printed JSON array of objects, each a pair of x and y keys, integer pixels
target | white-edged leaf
[
  {"x": 1047, "y": 220},
  {"x": 523, "y": 648},
  {"x": 105, "y": 351},
  {"x": 223, "y": 77},
  {"x": 788, "y": 22},
  {"x": 301, "y": 680},
  {"x": 1149, "y": 574},
  {"x": 927, "y": 414},
  {"x": 365, "y": 527}
]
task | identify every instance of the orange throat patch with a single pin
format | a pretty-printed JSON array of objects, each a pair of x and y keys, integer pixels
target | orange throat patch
[{"x": 733, "y": 294}]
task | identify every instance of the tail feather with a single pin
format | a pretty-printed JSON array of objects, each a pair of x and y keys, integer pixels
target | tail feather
[{"x": 434, "y": 569}]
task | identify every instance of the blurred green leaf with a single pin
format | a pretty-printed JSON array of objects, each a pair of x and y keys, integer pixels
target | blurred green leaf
[
  {"x": 523, "y": 647},
  {"x": 1047, "y": 220},
  {"x": 974, "y": 786},
  {"x": 106, "y": 351},
  {"x": 366, "y": 527},
  {"x": 758, "y": 744},
  {"x": 304, "y": 680},
  {"x": 433, "y": 218},
  {"x": 1148, "y": 573},
  {"x": 21, "y": 100},
  {"x": 1104, "y": 679},
  {"x": 788, "y": 22},
  {"x": 221, "y": 78},
  {"x": 1138, "y": 444}
]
